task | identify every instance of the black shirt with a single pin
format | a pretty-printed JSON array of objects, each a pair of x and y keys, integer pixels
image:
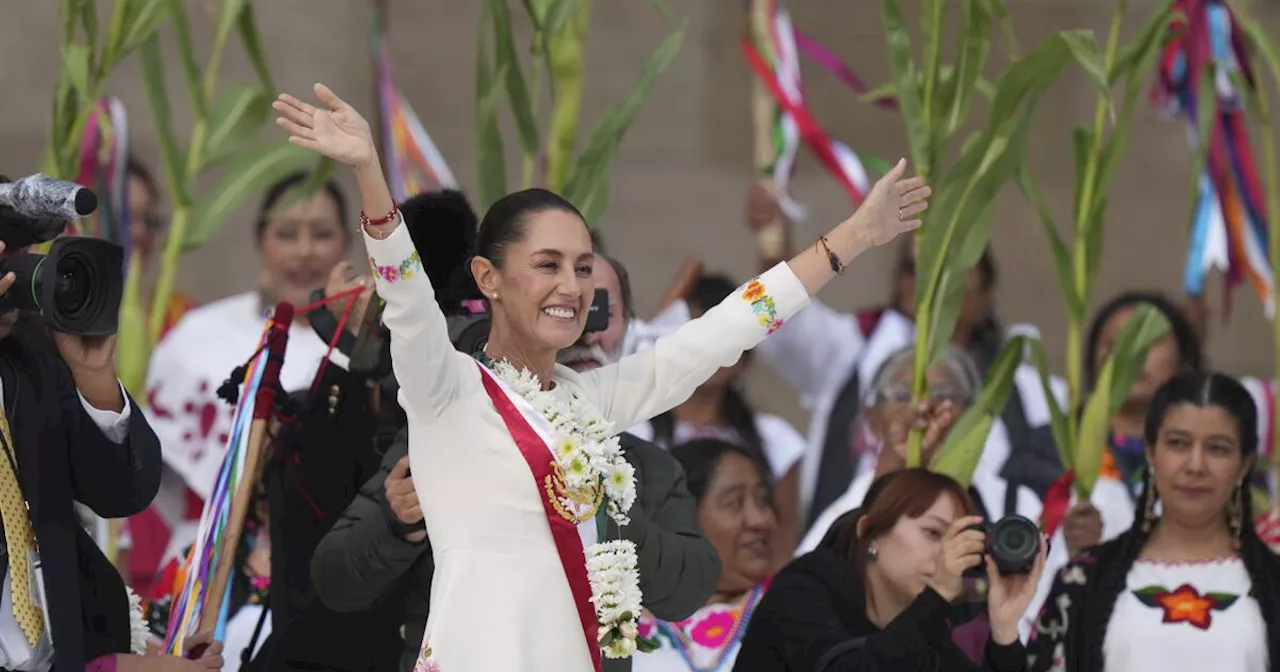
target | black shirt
[{"x": 813, "y": 619}]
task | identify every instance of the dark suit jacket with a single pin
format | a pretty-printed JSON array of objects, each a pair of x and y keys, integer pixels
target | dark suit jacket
[
  {"x": 63, "y": 457},
  {"x": 361, "y": 565}
]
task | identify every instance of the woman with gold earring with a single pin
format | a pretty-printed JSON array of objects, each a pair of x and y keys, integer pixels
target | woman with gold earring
[{"x": 1190, "y": 585}]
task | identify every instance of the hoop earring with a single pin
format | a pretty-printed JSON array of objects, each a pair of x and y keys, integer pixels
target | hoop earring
[
  {"x": 1235, "y": 516},
  {"x": 1149, "y": 517}
]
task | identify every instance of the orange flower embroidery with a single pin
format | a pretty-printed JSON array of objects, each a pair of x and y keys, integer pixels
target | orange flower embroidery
[
  {"x": 754, "y": 291},
  {"x": 762, "y": 305},
  {"x": 1185, "y": 604}
]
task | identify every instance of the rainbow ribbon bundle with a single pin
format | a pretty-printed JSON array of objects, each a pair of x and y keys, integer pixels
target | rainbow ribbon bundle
[
  {"x": 104, "y": 155},
  {"x": 197, "y": 574},
  {"x": 414, "y": 165},
  {"x": 1229, "y": 223},
  {"x": 774, "y": 56}
]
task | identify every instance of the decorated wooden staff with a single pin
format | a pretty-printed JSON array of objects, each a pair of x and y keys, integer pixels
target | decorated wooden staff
[{"x": 201, "y": 607}]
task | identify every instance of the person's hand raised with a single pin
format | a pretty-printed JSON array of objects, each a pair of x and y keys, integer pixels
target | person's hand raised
[
  {"x": 339, "y": 283},
  {"x": 961, "y": 549},
  {"x": 1082, "y": 528},
  {"x": 933, "y": 420},
  {"x": 892, "y": 206},
  {"x": 1009, "y": 596},
  {"x": 335, "y": 130}
]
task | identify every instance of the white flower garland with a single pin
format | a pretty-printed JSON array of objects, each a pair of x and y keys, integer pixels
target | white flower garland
[
  {"x": 139, "y": 633},
  {"x": 589, "y": 457}
]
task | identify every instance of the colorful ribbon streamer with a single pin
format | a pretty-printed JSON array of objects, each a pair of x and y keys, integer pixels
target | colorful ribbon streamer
[
  {"x": 414, "y": 164},
  {"x": 774, "y": 57},
  {"x": 104, "y": 155},
  {"x": 203, "y": 560},
  {"x": 1229, "y": 221}
]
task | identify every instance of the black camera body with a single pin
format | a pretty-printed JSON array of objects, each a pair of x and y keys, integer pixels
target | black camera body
[
  {"x": 1013, "y": 542},
  {"x": 77, "y": 287}
]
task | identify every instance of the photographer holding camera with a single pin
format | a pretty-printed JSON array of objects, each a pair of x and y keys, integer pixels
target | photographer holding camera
[
  {"x": 875, "y": 595},
  {"x": 69, "y": 433}
]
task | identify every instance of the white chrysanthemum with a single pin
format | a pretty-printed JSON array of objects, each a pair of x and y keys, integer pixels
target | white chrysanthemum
[
  {"x": 619, "y": 476},
  {"x": 566, "y": 448},
  {"x": 139, "y": 633}
]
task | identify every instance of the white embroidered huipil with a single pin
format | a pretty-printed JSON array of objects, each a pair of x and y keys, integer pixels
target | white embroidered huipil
[{"x": 500, "y": 599}]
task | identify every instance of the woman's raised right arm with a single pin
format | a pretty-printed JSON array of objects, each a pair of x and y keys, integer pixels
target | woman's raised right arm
[{"x": 430, "y": 372}]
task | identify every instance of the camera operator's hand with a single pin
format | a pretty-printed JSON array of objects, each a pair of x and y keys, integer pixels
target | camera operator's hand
[
  {"x": 403, "y": 498},
  {"x": 1082, "y": 528},
  {"x": 335, "y": 130},
  {"x": 337, "y": 284},
  {"x": 210, "y": 657},
  {"x": 1009, "y": 595},
  {"x": 91, "y": 360},
  {"x": 961, "y": 550},
  {"x": 9, "y": 278}
]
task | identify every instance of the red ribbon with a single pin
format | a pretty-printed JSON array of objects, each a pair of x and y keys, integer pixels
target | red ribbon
[
  {"x": 1056, "y": 501},
  {"x": 563, "y": 532}
]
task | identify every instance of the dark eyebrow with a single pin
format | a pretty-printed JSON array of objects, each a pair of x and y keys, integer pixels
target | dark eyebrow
[
  {"x": 939, "y": 520},
  {"x": 585, "y": 256}
]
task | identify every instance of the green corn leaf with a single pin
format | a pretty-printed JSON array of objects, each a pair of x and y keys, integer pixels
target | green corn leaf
[
  {"x": 144, "y": 23},
  {"x": 236, "y": 118},
  {"x": 88, "y": 13},
  {"x": 565, "y": 67},
  {"x": 959, "y": 454},
  {"x": 506, "y": 59},
  {"x": 557, "y": 14},
  {"x": 170, "y": 152},
  {"x": 875, "y": 165},
  {"x": 1057, "y": 418},
  {"x": 187, "y": 55},
  {"x": 1259, "y": 38},
  {"x": 1093, "y": 244},
  {"x": 228, "y": 15},
  {"x": 247, "y": 25},
  {"x": 116, "y": 28},
  {"x": 1082, "y": 143},
  {"x": 588, "y": 184},
  {"x": 882, "y": 91},
  {"x": 1084, "y": 49},
  {"x": 538, "y": 11},
  {"x": 945, "y": 309},
  {"x": 1111, "y": 388},
  {"x": 68, "y": 15},
  {"x": 75, "y": 67},
  {"x": 975, "y": 47},
  {"x": 1057, "y": 247},
  {"x": 905, "y": 85},
  {"x": 490, "y": 162},
  {"x": 1150, "y": 38},
  {"x": 244, "y": 179}
]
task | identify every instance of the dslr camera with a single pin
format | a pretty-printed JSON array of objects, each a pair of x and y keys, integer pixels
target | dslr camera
[
  {"x": 1013, "y": 542},
  {"x": 78, "y": 286}
]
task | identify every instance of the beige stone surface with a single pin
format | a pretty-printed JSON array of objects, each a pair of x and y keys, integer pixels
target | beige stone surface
[{"x": 679, "y": 180}]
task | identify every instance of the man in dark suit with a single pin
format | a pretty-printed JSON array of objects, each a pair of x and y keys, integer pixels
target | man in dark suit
[
  {"x": 377, "y": 556},
  {"x": 71, "y": 433}
]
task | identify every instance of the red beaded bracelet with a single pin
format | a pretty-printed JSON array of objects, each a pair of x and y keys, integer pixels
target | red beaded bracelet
[{"x": 366, "y": 222}]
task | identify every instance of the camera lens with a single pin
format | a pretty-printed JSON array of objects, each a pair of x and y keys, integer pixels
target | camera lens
[
  {"x": 1014, "y": 542},
  {"x": 71, "y": 292}
]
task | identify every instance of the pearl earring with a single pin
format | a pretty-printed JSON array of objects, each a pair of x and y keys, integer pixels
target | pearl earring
[{"x": 872, "y": 553}]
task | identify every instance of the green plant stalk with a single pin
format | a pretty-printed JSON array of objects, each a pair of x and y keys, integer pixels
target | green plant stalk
[
  {"x": 564, "y": 55},
  {"x": 1273, "y": 240},
  {"x": 131, "y": 351},
  {"x": 530, "y": 161},
  {"x": 933, "y": 63},
  {"x": 1080, "y": 262}
]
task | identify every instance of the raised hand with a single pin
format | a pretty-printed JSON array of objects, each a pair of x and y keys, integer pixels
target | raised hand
[
  {"x": 892, "y": 206},
  {"x": 335, "y": 130},
  {"x": 1009, "y": 595},
  {"x": 933, "y": 420},
  {"x": 961, "y": 549}
]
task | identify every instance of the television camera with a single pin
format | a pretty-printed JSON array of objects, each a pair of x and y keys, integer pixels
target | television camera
[{"x": 78, "y": 286}]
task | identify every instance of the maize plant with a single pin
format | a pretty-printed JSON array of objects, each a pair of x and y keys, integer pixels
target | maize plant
[
  {"x": 556, "y": 53},
  {"x": 1080, "y": 433},
  {"x": 935, "y": 100}
]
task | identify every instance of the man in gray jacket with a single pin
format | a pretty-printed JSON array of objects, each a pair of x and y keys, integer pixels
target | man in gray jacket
[{"x": 378, "y": 550}]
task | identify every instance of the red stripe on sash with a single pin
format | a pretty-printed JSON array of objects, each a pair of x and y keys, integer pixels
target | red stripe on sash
[{"x": 568, "y": 544}]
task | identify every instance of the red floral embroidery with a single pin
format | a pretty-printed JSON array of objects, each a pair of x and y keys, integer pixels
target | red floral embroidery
[{"x": 1185, "y": 604}]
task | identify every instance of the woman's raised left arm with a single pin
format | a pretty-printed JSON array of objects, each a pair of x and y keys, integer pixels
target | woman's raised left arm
[{"x": 655, "y": 380}]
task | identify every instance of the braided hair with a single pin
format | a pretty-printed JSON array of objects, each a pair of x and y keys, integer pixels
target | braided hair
[{"x": 1118, "y": 557}]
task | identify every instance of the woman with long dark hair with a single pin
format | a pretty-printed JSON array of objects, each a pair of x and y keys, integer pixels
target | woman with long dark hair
[
  {"x": 720, "y": 409},
  {"x": 1190, "y": 585},
  {"x": 877, "y": 593}
]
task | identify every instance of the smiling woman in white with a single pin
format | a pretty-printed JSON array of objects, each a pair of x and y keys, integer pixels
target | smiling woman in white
[{"x": 515, "y": 459}]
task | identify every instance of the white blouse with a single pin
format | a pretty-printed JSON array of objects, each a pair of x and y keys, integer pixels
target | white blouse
[{"x": 1187, "y": 616}]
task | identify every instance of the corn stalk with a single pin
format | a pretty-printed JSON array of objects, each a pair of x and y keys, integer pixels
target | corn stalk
[
  {"x": 556, "y": 52},
  {"x": 1265, "y": 47},
  {"x": 935, "y": 100},
  {"x": 224, "y": 135},
  {"x": 1080, "y": 433}
]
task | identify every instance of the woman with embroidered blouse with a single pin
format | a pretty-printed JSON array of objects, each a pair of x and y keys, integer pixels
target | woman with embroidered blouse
[
  {"x": 737, "y": 513},
  {"x": 515, "y": 459},
  {"x": 1189, "y": 586}
]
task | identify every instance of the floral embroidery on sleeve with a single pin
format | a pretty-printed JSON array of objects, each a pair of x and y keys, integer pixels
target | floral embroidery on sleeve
[
  {"x": 763, "y": 305},
  {"x": 425, "y": 662},
  {"x": 403, "y": 271}
]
